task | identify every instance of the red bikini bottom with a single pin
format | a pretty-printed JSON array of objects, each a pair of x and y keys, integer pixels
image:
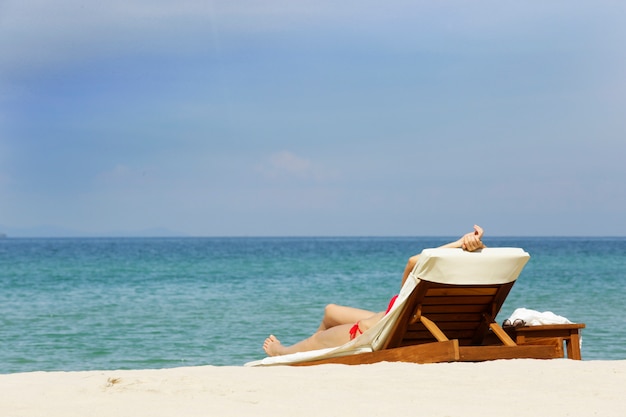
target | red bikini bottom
[{"x": 355, "y": 329}]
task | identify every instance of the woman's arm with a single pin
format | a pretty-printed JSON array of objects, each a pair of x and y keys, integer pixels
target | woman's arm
[{"x": 469, "y": 242}]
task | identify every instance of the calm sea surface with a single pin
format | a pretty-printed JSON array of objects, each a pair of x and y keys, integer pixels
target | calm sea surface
[{"x": 85, "y": 304}]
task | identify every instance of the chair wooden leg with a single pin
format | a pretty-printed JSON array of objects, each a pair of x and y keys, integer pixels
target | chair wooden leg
[{"x": 573, "y": 346}]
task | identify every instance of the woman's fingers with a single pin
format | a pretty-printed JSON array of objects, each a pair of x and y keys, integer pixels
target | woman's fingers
[{"x": 472, "y": 241}]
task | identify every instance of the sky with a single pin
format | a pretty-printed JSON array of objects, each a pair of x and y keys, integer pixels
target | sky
[{"x": 312, "y": 118}]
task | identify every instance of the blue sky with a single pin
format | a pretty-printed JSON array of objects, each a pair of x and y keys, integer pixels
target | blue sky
[{"x": 245, "y": 118}]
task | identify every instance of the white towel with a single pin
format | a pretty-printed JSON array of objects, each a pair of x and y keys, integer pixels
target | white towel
[{"x": 536, "y": 318}]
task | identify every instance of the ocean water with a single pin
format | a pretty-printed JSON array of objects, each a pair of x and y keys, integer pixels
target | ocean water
[{"x": 85, "y": 304}]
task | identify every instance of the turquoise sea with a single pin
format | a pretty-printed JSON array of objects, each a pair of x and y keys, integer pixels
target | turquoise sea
[{"x": 124, "y": 303}]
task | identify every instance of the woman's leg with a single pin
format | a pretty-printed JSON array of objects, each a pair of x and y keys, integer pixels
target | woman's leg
[
  {"x": 335, "y": 336},
  {"x": 331, "y": 337},
  {"x": 336, "y": 315},
  {"x": 334, "y": 330}
]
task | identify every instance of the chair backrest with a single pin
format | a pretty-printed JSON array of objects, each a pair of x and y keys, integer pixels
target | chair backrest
[
  {"x": 461, "y": 312},
  {"x": 460, "y": 292}
]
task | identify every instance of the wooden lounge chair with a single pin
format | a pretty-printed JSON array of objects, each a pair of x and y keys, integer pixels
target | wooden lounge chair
[{"x": 448, "y": 313}]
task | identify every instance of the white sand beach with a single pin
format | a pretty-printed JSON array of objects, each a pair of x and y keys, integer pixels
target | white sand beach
[{"x": 499, "y": 388}]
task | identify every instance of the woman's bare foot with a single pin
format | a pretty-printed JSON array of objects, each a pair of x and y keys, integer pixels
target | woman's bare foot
[{"x": 272, "y": 346}]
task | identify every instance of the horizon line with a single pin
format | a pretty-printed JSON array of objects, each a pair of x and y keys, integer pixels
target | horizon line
[{"x": 5, "y": 236}]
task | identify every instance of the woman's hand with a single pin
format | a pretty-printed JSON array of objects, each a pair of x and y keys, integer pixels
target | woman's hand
[{"x": 473, "y": 241}]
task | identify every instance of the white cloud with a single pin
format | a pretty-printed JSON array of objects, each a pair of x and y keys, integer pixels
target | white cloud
[
  {"x": 288, "y": 165},
  {"x": 122, "y": 175}
]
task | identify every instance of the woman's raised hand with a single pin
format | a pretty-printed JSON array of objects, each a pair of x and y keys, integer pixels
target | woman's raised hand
[{"x": 473, "y": 241}]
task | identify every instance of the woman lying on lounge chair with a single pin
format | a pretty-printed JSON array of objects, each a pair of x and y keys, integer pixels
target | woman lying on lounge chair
[{"x": 341, "y": 324}]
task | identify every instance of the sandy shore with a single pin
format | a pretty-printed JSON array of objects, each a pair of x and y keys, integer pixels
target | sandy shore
[{"x": 498, "y": 388}]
